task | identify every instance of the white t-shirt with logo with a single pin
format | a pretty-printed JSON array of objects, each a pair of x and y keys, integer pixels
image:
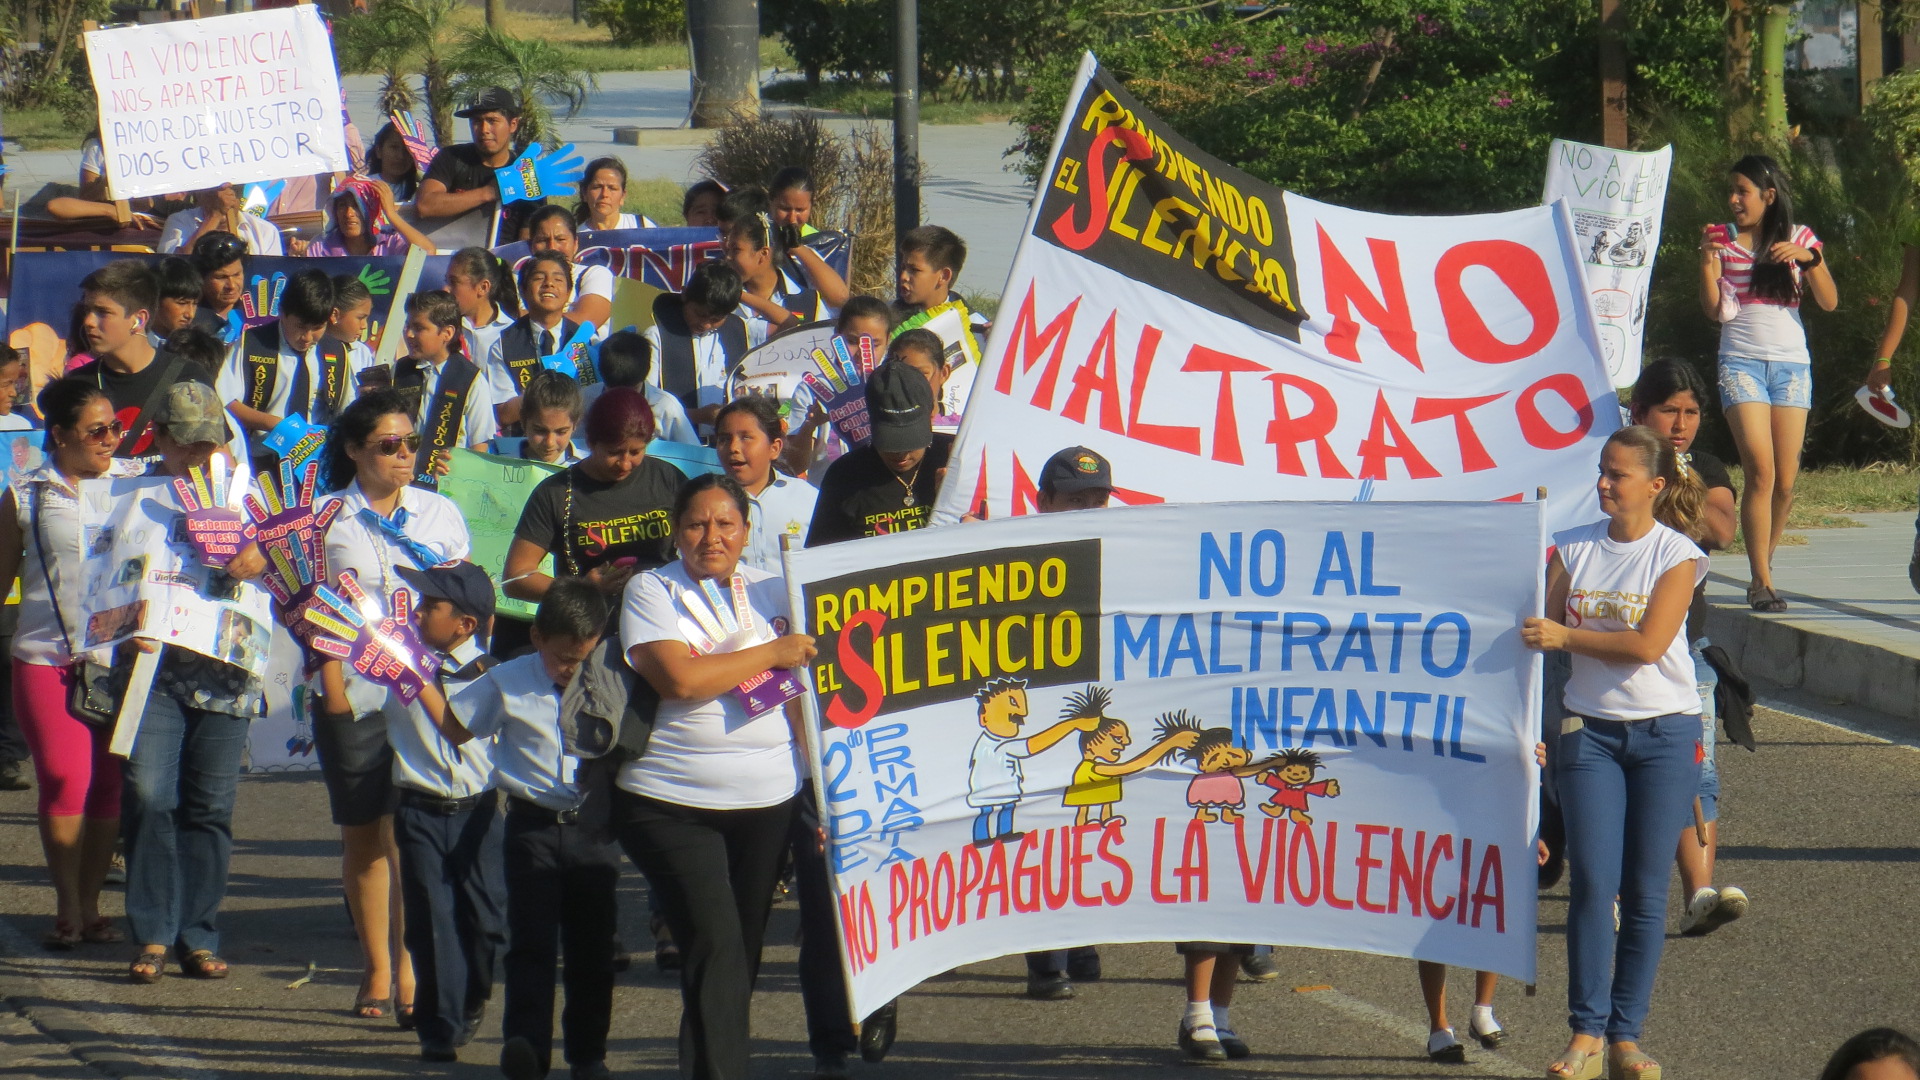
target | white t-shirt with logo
[{"x": 1609, "y": 586}]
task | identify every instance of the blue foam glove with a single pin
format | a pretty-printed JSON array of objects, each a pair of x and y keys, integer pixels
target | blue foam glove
[
  {"x": 576, "y": 356},
  {"x": 528, "y": 177}
]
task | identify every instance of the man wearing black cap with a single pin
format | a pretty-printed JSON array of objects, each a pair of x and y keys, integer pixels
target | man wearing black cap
[
  {"x": 1075, "y": 479},
  {"x": 461, "y": 179},
  {"x": 452, "y": 878},
  {"x": 888, "y": 485}
]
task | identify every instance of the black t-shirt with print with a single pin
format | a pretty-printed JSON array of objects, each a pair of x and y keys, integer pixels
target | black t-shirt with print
[
  {"x": 129, "y": 392},
  {"x": 860, "y": 496},
  {"x": 609, "y": 521},
  {"x": 460, "y": 168}
]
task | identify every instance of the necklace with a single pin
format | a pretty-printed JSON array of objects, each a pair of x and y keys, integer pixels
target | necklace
[{"x": 908, "y": 500}]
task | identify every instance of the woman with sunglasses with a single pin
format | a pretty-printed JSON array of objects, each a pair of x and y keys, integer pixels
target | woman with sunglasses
[
  {"x": 41, "y": 543},
  {"x": 384, "y": 524}
]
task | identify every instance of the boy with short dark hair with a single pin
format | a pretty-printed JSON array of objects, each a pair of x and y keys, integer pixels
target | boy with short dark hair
[
  {"x": 287, "y": 368},
  {"x": 180, "y": 287},
  {"x": 221, "y": 258},
  {"x": 447, "y": 824},
  {"x": 117, "y": 303},
  {"x": 626, "y": 359},
  {"x": 561, "y": 862},
  {"x": 929, "y": 264},
  {"x": 697, "y": 337},
  {"x": 446, "y": 393}
]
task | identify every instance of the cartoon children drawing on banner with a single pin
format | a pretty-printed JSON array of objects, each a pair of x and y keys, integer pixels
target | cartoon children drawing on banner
[
  {"x": 1219, "y": 792},
  {"x": 996, "y": 778},
  {"x": 1096, "y": 780},
  {"x": 1292, "y": 781}
]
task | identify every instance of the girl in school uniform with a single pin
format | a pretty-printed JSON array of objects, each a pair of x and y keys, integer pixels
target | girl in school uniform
[{"x": 384, "y": 524}]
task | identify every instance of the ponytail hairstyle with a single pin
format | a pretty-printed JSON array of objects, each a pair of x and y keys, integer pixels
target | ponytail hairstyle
[
  {"x": 594, "y": 168},
  {"x": 759, "y": 232},
  {"x": 791, "y": 178},
  {"x": 1681, "y": 503},
  {"x": 352, "y": 428},
  {"x": 1771, "y": 280}
]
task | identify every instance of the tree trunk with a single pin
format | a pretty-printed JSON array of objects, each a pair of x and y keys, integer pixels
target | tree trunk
[
  {"x": 1773, "y": 71},
  {"x": 1382, "y": 41},
  {"x": 497, "y": 15},
  {"x": 1613, "y": 74},
  {"x": 439, "y": 92},
  {"x": 1739, "y": 69},
  {"x": 726, "y": 60}
]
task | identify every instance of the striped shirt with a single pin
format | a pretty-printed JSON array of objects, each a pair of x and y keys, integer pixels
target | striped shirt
[{"x": 1765, "y": 329}]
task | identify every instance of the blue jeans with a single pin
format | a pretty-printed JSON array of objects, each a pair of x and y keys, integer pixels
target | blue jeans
[
  {"x": 454, "y": 889},
  {"x": 1707, "y": 680},
  {"x": 985, "y": 826},
  {"x": 177, "y": 818},
  {"x": 1626, "y": 789}
]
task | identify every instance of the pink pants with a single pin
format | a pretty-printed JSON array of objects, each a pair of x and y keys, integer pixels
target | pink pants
[{"x": 70, "y": 760}]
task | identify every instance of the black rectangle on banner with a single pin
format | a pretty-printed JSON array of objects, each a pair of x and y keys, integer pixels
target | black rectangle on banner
[
  {"x": 1129, "y": 193},
  {"x": 938, "y": 630}
]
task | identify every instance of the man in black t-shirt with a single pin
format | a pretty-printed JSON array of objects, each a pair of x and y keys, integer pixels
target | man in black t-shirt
[
  {"x": 888, "y": 485},
  {"x": 461, "y": 179},
  {"x": 118, "y": 301}
]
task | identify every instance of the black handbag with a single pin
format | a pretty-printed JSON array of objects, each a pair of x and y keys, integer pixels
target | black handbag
[
  {"x": 1732, "y": 696},
  {"x": 91, "y": 700}
]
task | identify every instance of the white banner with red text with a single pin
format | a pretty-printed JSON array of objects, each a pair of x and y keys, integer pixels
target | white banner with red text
[
  {"x": 1218, "y": 339},
  {"x": 1289, "y": 723}
]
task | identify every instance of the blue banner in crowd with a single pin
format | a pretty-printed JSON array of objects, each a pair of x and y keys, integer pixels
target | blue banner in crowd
[{"x": 666, "y": 258}]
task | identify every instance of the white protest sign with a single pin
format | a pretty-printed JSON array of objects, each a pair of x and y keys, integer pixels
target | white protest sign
[
  {"x": 143, "y": 579},
  {"x": 1617, "y": 198},
  {"x": 229, "y": 99},
  {"x": 1301, "y": 723},
  {"x": 1217, "y": 339}
]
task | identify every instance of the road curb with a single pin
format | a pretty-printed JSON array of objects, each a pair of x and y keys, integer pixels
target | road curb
[{"x": 1776, "y": 652}]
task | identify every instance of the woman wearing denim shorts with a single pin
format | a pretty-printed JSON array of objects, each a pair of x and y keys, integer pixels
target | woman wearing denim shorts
[{"x": 1753, "y": 272}]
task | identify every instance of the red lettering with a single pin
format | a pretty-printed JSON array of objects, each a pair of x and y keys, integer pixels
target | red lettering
[
  {"x": 1226, "y": 429},
  {"x": 1405, "y": 873},
  {"x": 1026, "y": 344},
  {"x": 1193, "y": 863},
  {"x": 972, "y": 870},
  {"x": 1110, "y": 838},
  {"x": 1387, "y": 439},
  {"x": 850, "y": 930},
  {"x": 1524, "y": 275},
  {"x": 942, "y": 905},
  {"x": 1173, "y": 437},
  {"x": 995, "y": 881},
  {"x": 1081, "y": 859},
  {"x": 1443, "y": 842},
  {"x": 1056, "y": 898},
  {"x": 1098, "y": 374},
  {"x": 1252, "y": 879},
  {"x": 1160, "y": 896},
  {"x": 859, "y": 672},
  {"x": 1134, "y": 147},
  {"x": 1333, "y": 837},
  {"x": 1535, "y": 428},
  {"x": 1466, "y": 864},
  {"x": 1297, "y": 839},
  {"x": 1473, "y": 453},
  {"x": 897, "y": 896},
  {"x": 1025, "y": 496},
  {"x": 1368, "y": 863},
  {"x": 919, "y": 914},
  {"x": 1286, "y": 432},
  {"x": 1030, "y": 875},
  {"x": 1497, "y": 896},
  {"x": 1388, "y": 313}
]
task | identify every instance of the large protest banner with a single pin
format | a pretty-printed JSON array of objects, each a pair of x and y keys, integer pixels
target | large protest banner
[
  {"x": 1301, "y": 723},
  {"x": 1617, "y": 198},
  {"x": 1218, "y": 339},
  {"x": 229, "y": 99}
]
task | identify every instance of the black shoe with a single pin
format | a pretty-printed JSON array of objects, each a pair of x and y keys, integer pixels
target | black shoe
[
  {"x": 438, "y": 1053},
  {"x": 1200, "y": 1050},
  {"x": 830, "y": 1067},
  {"x": 13, "y": 776},
  {"x": 622, "y": 959},
  {"x": 470, "y": 1025},
  {"x": 591, "y": 1070},
  {"x": 1083, "y": 967},
  {"x": 1234, "y": 1045},
  {"x": 519, "y": 1060},
  {"x": 1259, "y": 967},
  {"x": 878, "y": 1031},
  {"x": 1049, "y": 986}
]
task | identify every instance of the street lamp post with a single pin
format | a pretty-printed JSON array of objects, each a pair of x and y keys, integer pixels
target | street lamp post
[{"x": 906, "y": 117}]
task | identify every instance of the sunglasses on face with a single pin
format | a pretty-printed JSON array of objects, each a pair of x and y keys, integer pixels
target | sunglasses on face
[
  {"x": 103, "y": 434},
  {"x": 390, "y": 445}
]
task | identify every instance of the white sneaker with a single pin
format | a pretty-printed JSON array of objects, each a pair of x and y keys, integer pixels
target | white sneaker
[
  {"x": 1693, "y": 922},
  {"x": 1733, "y": 904}
]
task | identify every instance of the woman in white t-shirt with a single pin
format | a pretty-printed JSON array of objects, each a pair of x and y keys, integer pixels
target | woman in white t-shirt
[
  {"x": 705, "y": 810},
  {"x": 1753, "y": 273},
  {"x": 1626, "y": 760}
]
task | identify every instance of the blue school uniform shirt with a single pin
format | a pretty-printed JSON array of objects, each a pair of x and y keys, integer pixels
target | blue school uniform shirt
[
  {"x": 518, "y": 706},
  {"x": 423, "y": 760}
]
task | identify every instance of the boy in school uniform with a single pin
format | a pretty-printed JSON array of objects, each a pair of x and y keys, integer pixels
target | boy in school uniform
[
  {"x": 697, "y": 337},
  {"x": 447, "y": 825},
  {"x": 445, "y": 391},
  {"x": 626, "y": 359},
  {"x": 931, "y": 257},
  {"x": 284, "y": 368},
  {"x": 561, "y": 860},
  {"x": 546, "y": 285},
  {"x": 352, "y": 313}
]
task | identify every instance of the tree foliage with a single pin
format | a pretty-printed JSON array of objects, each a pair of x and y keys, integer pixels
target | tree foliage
[
  {"x": 55, "y": 74},
  {"x": 541, "y": 74},
  {"x": 402, "y": 40}
]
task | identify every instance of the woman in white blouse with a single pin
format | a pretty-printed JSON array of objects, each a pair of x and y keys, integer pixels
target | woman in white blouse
[
  {"x": 384, "y": 524},
  {"x": 705, "y": 809},
  {"x": 1627, "y": 757}
]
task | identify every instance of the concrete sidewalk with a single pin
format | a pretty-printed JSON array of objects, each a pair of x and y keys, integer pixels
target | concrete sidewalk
[{"x": 1851, "y": 635}]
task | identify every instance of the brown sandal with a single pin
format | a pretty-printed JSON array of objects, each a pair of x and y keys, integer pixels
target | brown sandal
[
  {"x": 148, "y": 967},
  {"x": 202, "y": 964},
  {"x": 1765, "y": 600}
]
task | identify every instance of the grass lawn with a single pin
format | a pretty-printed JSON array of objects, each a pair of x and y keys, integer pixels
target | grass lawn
[
  {"x": 593, "y": 51},
  {"x": 876, "y": 100},
  {"x": 1823, "y": 496},
  {"x": 658, "y": 199},
  {"x": 42, "y": 129}
]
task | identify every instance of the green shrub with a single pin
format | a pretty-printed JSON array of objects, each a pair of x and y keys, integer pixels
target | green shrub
[{"x": 638, "y": 22}]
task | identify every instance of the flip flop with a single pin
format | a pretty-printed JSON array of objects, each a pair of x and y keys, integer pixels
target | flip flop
[
  {"x": 372, "y": 1008},
  {"x": 1580, "y": 1065}
]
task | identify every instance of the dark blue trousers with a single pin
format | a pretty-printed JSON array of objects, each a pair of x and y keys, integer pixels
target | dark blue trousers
[
  {"x": 561, "y": 877},
  {"x": 453, "y": 888}
]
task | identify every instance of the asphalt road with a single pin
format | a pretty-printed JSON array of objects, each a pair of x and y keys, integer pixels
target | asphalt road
[{"x": 1819, "y": 828}]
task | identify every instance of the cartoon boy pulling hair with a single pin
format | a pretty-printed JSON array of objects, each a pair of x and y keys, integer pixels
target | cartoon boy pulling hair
[
  {"x": 1096, "y": 780},
  {"x": 1218, "y": 793},
  {"x": 996, "y": 778},
  {"x": 1291, "y": 780}
]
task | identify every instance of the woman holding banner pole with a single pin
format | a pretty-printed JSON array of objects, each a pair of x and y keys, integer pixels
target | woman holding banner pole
[
  {"x": 385, "y": 522},
  {"x": 41, "y": 543},
  {"x": 1618, "y": 592}
]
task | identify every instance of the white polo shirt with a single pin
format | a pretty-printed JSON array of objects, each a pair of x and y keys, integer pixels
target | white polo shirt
[
  {"x": 261, "y": 235},
  {"x": 423, "y": 760},
  {"x": 518, "y": 707},
  {"x": 477, "y": 422},
  {"x": 783, "y": 508},
  {"x": 480, "y": 340}
]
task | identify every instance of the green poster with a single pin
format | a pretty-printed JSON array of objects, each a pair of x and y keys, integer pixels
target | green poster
[{"x": 491, "y": 491}]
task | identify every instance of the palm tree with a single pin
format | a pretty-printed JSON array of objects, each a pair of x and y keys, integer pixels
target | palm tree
[
  {"x": 542, "y": 75},
  {"x": 402, "y": 38}
]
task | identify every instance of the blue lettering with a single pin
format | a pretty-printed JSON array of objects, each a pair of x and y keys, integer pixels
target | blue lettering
[
  {"x": 1367, "y": 587},
  {"x": 1399, "y": 620},
  {"x": 1335, "y": 565},
  {"x": 1126, "y": 644},
  {"x": 1217, "y": 666},
  {"x": 1359, "y": 723},
  {"x": 1183, "y": 644},
  {"x": 1227, "y": 564},
  {"x": 1289, "y": 718},
  {"x": 1357, "y": 644},
  {"x": 1325, "y": 719},
  {"x": 1463, "y": 644},
  {"x": 1270, "y": 541},
  {"x": 1256, "y": 626},
  {"x": 1289, "y": 639},
  {"x": 1411, "y": 700}
]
